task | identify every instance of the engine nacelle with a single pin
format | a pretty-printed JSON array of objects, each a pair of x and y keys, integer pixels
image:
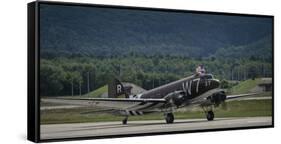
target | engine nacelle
[
  {"x": 217, "y": 98},
  {"x": 176, "y": 98}
]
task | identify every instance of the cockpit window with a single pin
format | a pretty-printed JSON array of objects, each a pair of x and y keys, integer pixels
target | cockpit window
[{"x": 207, "y": 76}]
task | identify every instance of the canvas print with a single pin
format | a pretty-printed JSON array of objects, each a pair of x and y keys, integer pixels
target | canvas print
[{"x": 107, "y": 71}]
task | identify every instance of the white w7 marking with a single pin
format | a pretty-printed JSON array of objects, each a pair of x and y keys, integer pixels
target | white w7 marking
[{"x": 187, "y": 86}]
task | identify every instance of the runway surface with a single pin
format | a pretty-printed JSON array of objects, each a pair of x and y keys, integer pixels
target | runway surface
[{"x": 53, "y": 131}]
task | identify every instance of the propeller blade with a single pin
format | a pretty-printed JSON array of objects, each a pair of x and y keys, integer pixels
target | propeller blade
[{"x": 224, "y": 105}]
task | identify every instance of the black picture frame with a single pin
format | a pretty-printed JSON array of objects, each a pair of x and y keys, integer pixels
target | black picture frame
[{"x": 33, "y": 118}]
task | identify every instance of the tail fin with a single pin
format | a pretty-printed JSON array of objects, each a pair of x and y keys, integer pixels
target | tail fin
[{"x": 116, "y": 88}]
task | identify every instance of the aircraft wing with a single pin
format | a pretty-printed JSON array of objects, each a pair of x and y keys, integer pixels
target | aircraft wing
[
  {"x": 231, "y": 97},
  {"x": 114, "y": 103}
]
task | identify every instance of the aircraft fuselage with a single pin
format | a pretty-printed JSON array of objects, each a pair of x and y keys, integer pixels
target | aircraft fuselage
[{"x": 192, "y": 87}]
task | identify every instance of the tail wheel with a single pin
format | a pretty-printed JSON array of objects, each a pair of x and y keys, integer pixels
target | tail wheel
[
  {"x": 169, "y": 118},
  {"x": 210, "y": 115}
]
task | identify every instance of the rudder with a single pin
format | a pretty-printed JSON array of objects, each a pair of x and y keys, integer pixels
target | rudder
[{"x": 115, "y": 88}]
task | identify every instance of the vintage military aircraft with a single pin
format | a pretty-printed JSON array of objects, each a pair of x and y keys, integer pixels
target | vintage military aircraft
[{"x": 203, "y": 91}]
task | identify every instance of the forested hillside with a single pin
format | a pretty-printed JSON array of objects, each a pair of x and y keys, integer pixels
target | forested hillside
[
  {"x": 83, "y": 48},
  {"x": 103, "y": 32}
]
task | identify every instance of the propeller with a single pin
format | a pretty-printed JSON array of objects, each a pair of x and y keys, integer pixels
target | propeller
[
  {"x": 219, "y": 99},
  {"x": 224, "y": 105},
  {"x": 223, "y": 98}
]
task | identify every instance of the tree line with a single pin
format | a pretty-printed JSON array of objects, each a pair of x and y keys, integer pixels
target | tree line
[{"x": 66, "y": 76}]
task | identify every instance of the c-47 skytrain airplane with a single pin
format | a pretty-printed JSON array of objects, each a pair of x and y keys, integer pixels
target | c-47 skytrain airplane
[{"x": 203, "y": 91}]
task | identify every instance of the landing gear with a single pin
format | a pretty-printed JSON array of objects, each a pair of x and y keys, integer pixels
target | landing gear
[
  {"x": 124, "y": 121},
  {"x": 210, "y": 115},
  {"x": 209, "y": 112},
  {"x": 169, "y": 117}
]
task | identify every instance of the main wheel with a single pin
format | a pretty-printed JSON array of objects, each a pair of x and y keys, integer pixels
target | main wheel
[
  {"x": 210, "y": 115},
  {"x": 124, "y": 121},
  {"x": 169, "y": 118}
]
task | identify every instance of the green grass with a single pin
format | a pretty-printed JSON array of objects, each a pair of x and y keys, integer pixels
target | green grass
[
  {"x": 98, "y": 92},
  {"x": 245, "y": 86},
  {"x": 250, "y": 108}
]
